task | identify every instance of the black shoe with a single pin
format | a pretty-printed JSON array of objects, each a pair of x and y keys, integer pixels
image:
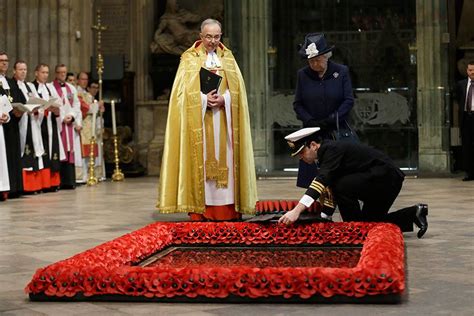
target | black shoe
[
  {"x": 468, "y": 179},
  {"x": 420, "y": 219}
]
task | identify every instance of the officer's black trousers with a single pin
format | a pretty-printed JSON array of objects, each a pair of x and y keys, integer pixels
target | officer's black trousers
[{"x": 377, "y": 195}]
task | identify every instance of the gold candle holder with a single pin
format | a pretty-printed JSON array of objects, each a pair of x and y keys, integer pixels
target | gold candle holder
[
  {"x": 92, "y": 180},
  {"x": 117, "y": 175}
]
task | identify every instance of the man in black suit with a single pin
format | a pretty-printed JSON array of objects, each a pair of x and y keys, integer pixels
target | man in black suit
[
  {"x": 465, "y": 93},
  {"x": 353, "y": 172}
]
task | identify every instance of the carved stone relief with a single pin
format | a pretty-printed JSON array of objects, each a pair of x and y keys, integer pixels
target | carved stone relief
[{"x": 178, "y": 27}]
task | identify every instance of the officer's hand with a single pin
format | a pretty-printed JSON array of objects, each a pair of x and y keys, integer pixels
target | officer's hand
[{"x": 293, "y": 215}]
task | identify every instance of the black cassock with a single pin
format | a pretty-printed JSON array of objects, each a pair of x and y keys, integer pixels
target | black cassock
[{"x": 12, "y": 143}]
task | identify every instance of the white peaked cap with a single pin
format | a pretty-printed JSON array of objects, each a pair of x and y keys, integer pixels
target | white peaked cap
[
  {"x": 296, "y": 140},
  {"x": 299, "y": 134}
]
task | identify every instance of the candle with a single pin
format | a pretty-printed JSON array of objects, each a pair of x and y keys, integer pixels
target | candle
[
  {"x": 93, "y": 123},
  {"x": 114, "y": 123}
]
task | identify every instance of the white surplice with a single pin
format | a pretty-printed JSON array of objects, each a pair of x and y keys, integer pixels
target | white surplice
[
  {"x": 35, "y": 125},
  {"x": 214, "y": 195},
  {"x": 5, "y": 107}
]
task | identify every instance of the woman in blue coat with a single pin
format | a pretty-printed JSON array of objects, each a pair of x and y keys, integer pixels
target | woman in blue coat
[{"x": 323, "y": 93}]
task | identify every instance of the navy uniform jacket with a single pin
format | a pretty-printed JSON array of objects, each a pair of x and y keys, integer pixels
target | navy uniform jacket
[
  {"x": 338, "y": 159},
  {"x": 355, "y": 173},
  {"x": 319, "y": 98}
]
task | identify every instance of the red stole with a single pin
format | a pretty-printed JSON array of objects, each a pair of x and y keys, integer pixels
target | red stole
[{"x": 67, "y": 132}]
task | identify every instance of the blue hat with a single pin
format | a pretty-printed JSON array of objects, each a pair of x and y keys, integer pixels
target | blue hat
[{"x": 314, "y": 45}]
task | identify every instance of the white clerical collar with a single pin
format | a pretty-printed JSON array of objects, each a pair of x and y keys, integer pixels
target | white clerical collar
[{"x": 212, "y": 60}]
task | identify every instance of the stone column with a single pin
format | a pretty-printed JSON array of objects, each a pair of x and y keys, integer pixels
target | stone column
[
  {"x": 10, "y": 28},
  {"x": 22, "y": 31},
  {"x": 43, "y": 32},
  {"x": 152, "y": 116},
  {"x": 63, "y": 32},
  {"x": 254, "y": 29},
  {"x": 142, "y": 15},
  {"x": 432, "y": 71},
  {"x": 53, "y": 35},
  {"x": 83, "y": 47}
]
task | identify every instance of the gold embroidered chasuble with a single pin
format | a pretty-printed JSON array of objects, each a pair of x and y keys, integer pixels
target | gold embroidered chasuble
[{"x": 182, "y": 170}]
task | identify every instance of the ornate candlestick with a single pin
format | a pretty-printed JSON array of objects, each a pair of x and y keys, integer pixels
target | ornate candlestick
[
  {"x": 92, "y": 180},
  {"x": 117, "y": 175}
]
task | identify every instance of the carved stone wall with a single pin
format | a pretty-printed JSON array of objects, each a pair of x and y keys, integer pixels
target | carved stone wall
[{"x": 51, "y": 32}]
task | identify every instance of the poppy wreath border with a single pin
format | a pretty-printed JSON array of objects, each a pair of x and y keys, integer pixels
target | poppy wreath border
[{"x": 109, "y": 272}]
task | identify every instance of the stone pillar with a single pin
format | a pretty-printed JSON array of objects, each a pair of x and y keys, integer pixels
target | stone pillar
[
  {"x": 254, "y": 27},
  {"x": 142, "y": 28},
  {"x": 83, "y": 47},
  {"x": 150, "y": 116},
  {"x": 53, "y": 35},
  {"x": 151, "y": 133},
  {"x": 432, "y": 72},
  {"x": 43, "y": 32}
]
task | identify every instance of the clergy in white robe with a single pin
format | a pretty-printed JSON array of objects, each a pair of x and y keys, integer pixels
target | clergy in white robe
[
  {"x": 51, "y": 124},
  {"x": 36, "y": 172},
  {"x": 12, "y": 134},
  {"x": 5, "y": 108},
  {"x": 71, "y": 126}
]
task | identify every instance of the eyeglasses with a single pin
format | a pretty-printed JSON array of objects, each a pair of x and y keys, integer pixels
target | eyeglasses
[
  {"x": 210, "y": 37},
  {"x": 4, "y": 60}
]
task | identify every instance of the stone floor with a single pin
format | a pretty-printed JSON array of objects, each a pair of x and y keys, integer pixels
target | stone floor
[{"x": 38, "y": 230}]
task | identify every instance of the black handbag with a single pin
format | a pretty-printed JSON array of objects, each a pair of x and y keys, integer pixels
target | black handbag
[{"x": 344, "y": 134}]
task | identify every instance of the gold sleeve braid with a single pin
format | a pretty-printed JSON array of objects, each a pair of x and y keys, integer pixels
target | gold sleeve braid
[
  {"x": 326, "y": 199},
  {"x": 318, "y": 190}
]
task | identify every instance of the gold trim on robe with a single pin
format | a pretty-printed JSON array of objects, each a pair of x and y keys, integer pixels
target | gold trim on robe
[{"x": 182, "y": 170}]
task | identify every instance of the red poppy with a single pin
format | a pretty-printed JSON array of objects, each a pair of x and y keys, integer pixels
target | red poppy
[{"x": 110, "y": 268}]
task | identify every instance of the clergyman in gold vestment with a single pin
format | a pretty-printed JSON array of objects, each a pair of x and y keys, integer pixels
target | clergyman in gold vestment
[{"x": 208, "y": 165}]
